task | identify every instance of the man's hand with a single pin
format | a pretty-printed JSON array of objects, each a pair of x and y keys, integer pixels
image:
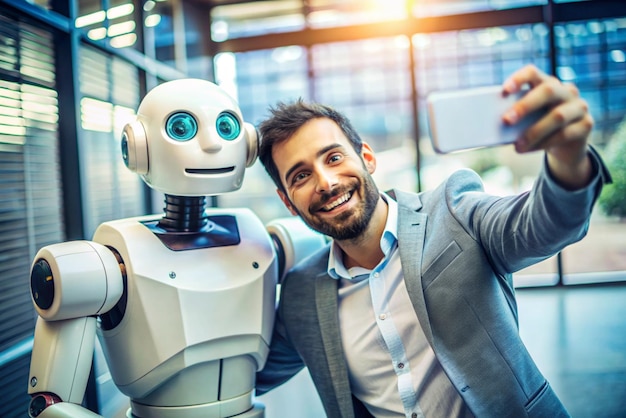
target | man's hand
[{"x": 564, "y": 130}]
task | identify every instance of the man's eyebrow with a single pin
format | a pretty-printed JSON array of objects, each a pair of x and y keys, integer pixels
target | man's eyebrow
[{"x": 318, "y": 154}]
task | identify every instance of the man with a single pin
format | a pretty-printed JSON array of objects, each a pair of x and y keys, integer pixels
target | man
[{"x": 410, "y": 311}]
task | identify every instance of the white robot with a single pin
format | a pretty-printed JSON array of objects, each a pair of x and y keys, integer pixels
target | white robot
[{"x": 183, "y": 302}]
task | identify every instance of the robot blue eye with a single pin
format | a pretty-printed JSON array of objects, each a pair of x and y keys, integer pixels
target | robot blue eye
[
  {"x": 228, "y": 126},
  {"x": 181, "y": 126},
  {"x": 124, "y": 145}
]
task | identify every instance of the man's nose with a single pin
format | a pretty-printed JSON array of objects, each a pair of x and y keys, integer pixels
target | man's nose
[{"x": 326, "y": 181}]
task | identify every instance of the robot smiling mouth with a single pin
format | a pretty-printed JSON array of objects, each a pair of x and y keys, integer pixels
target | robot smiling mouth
[{"x": 209, "y": 170}]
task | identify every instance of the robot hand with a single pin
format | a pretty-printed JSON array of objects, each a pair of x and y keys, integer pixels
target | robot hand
[{"x": 70, "y": 283}]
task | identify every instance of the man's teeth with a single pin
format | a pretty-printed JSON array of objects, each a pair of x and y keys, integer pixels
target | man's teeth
[{"x": 337, "y": 202}]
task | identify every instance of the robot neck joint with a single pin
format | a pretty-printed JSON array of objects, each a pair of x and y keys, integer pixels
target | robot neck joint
[{"x": 184, "y": 214}]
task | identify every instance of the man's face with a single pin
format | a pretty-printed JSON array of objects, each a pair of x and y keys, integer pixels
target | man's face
[{"x": 327, "y": 183}]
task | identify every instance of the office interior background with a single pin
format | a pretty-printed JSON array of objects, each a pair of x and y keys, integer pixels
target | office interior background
[{"x": 72, "y": 73}]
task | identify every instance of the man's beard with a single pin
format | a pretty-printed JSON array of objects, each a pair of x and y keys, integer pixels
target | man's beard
[{"x": 347, "y": 225}]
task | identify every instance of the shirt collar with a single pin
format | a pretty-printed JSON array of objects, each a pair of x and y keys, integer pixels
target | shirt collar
[{"x": 337, "y": 270}]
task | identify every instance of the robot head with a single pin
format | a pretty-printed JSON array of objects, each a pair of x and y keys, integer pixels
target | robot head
[{"x": 189, "y": 139}]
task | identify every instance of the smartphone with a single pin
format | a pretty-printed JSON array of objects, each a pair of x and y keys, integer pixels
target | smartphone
[{"x": 472, "y": 118}]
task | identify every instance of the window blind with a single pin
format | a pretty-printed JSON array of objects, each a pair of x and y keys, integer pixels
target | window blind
[
  {"x": 30, "y": 191},
  {"x": 109, "y": 90}
]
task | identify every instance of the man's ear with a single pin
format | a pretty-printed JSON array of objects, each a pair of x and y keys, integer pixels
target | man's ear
[
  {"x": 286, "y": 202},
  {"x": 368, "y": 157}
]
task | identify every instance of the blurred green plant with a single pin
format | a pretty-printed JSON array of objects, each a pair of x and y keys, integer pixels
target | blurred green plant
[
  {"x": 613, "y": 198},
  {"x": 483, "y": 161}
]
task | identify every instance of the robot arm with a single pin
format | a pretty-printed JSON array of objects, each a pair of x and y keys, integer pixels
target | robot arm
[
  {"x": 71, "y": 283},
  {"x": 294, "y": 241}
]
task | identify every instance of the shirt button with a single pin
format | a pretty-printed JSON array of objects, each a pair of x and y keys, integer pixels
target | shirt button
[
  {"x": 400, "y": 365},
  {"x": 376, "y": 274},
  {"x": 383, "y": 316},
  {"x": 414, "y": 415}
]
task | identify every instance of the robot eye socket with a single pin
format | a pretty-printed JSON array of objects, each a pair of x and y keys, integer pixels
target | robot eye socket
[
  {"x": 181, "y": 126},
  {"x": 228, "y": 126}
]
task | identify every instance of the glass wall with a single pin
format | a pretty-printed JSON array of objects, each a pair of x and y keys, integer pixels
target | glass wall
[
  {"x": 592, "y": 54},
  {"x": 370, "y": 80},
  {"x": 256, "y": 18},
  {"x": 442, "y": 8}
]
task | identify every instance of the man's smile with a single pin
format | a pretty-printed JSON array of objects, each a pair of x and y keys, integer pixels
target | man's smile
[{"x": 337, "y": 202}]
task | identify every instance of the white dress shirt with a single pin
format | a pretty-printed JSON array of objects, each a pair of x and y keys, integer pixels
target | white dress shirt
[{"x": 393, "y": 370}]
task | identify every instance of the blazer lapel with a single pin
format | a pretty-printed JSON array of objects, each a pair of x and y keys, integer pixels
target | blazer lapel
[
  {"x": 327, "y": 313},
  {"x": 411, "y": 235}
]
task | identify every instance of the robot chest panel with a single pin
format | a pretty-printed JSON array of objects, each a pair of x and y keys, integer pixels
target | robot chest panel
[
  {"x": 206, "y": 281},
  {"x": 189, "y": 301}
]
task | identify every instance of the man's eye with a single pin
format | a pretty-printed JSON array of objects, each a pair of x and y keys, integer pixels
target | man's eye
[
  {"x": 334, "y": 158},
  {"x": 298, "y": 177}
]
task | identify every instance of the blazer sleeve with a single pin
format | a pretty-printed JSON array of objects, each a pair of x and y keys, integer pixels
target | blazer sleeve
[{"x": 521, "y": 230}]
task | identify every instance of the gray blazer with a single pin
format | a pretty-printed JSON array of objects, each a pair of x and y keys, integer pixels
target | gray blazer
[{"x": 458, "y": 248}]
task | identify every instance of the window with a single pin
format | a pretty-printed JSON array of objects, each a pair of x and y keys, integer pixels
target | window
[{"x": 30, "y": 191}]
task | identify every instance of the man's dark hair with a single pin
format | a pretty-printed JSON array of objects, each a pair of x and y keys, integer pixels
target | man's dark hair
[{"x": 286, "y": 119}]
